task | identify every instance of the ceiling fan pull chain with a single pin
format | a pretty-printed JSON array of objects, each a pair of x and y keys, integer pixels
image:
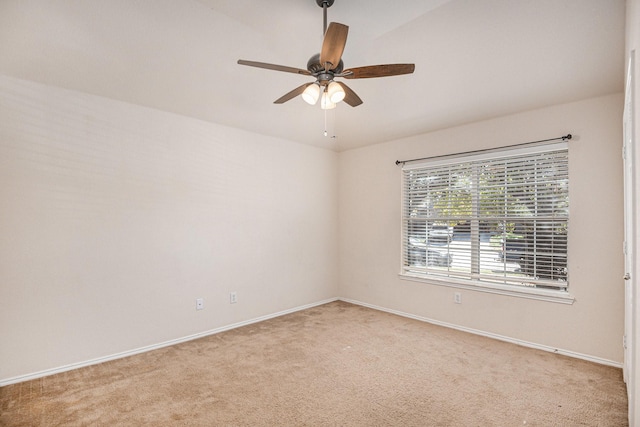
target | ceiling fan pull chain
[{"x": 325, "y": 122}]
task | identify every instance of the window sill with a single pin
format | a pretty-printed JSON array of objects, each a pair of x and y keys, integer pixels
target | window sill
[{"x": 560, "y": 297}]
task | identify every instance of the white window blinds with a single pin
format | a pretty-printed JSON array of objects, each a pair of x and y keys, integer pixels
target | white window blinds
[{"x": 498, "y": 218}]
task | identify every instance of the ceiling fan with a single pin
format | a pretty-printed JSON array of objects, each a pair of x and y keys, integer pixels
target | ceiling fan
[{"x": 327, "y": 65}]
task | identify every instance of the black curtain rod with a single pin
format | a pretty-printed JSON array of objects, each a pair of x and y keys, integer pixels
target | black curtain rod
[{"x": 563, "y": 138}]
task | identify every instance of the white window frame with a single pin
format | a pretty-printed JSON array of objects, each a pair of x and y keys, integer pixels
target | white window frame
[{"x": 552, "y": 295}]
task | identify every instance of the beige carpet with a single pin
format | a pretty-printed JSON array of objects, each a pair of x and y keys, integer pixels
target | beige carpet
[{"x": 333, "y": 365}]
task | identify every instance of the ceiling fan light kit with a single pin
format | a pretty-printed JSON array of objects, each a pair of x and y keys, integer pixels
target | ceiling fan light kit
[
  {"x": 311, "y": 93},
  {"x": 335, "y": 92},
  {"x": 327, "y": 65},
  {"x": 326, "y": 103}
]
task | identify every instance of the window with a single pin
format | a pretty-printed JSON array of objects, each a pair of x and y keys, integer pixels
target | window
[{"x": 496, "y": 220}]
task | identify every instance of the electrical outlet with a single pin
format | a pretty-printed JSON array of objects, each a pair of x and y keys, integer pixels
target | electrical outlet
[
  {"x": 199, "y": 303},
  {"x": 233, "y": 298},
  {"x": 457, "y": 297}
]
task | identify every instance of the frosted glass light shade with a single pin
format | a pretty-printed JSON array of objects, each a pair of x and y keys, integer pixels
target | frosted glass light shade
[
  {"x": 311, "y": 94},
  {"x": 335, "y": 91},
  {"x": 325, "y": 102}
]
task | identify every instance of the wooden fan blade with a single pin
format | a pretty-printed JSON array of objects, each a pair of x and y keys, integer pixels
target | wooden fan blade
[
  {"x": 372, "y": 71},
  {"x": 333, "y": 45},
  {"x": 350, "y": 96},
  {"x": 274, "y": 67},
  {"x": 297, "y": 91}
]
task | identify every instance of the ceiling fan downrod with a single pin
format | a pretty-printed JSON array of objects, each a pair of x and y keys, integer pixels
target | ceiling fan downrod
[{"x": 324, "y": 4}]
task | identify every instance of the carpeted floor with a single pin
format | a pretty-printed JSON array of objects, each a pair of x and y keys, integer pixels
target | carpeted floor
[{"x": 332, "y": 365}]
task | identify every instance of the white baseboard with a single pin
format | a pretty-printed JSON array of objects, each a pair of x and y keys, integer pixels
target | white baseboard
[
  {"x": 569, "y": 353},
  {"x": 65, "y": 368}
]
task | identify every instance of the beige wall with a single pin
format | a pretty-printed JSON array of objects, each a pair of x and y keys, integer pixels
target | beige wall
[
  {"x": 369, "y": 225},
  {"x": 632, "y": 43},
  {"x": 115, "y": 218}
]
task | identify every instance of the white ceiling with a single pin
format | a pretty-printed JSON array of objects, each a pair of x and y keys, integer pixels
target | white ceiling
[{"x": 475, "y": 59}]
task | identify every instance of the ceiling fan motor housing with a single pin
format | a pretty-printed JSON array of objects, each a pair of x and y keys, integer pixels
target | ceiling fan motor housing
[{"x": 317, "y": 69}]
